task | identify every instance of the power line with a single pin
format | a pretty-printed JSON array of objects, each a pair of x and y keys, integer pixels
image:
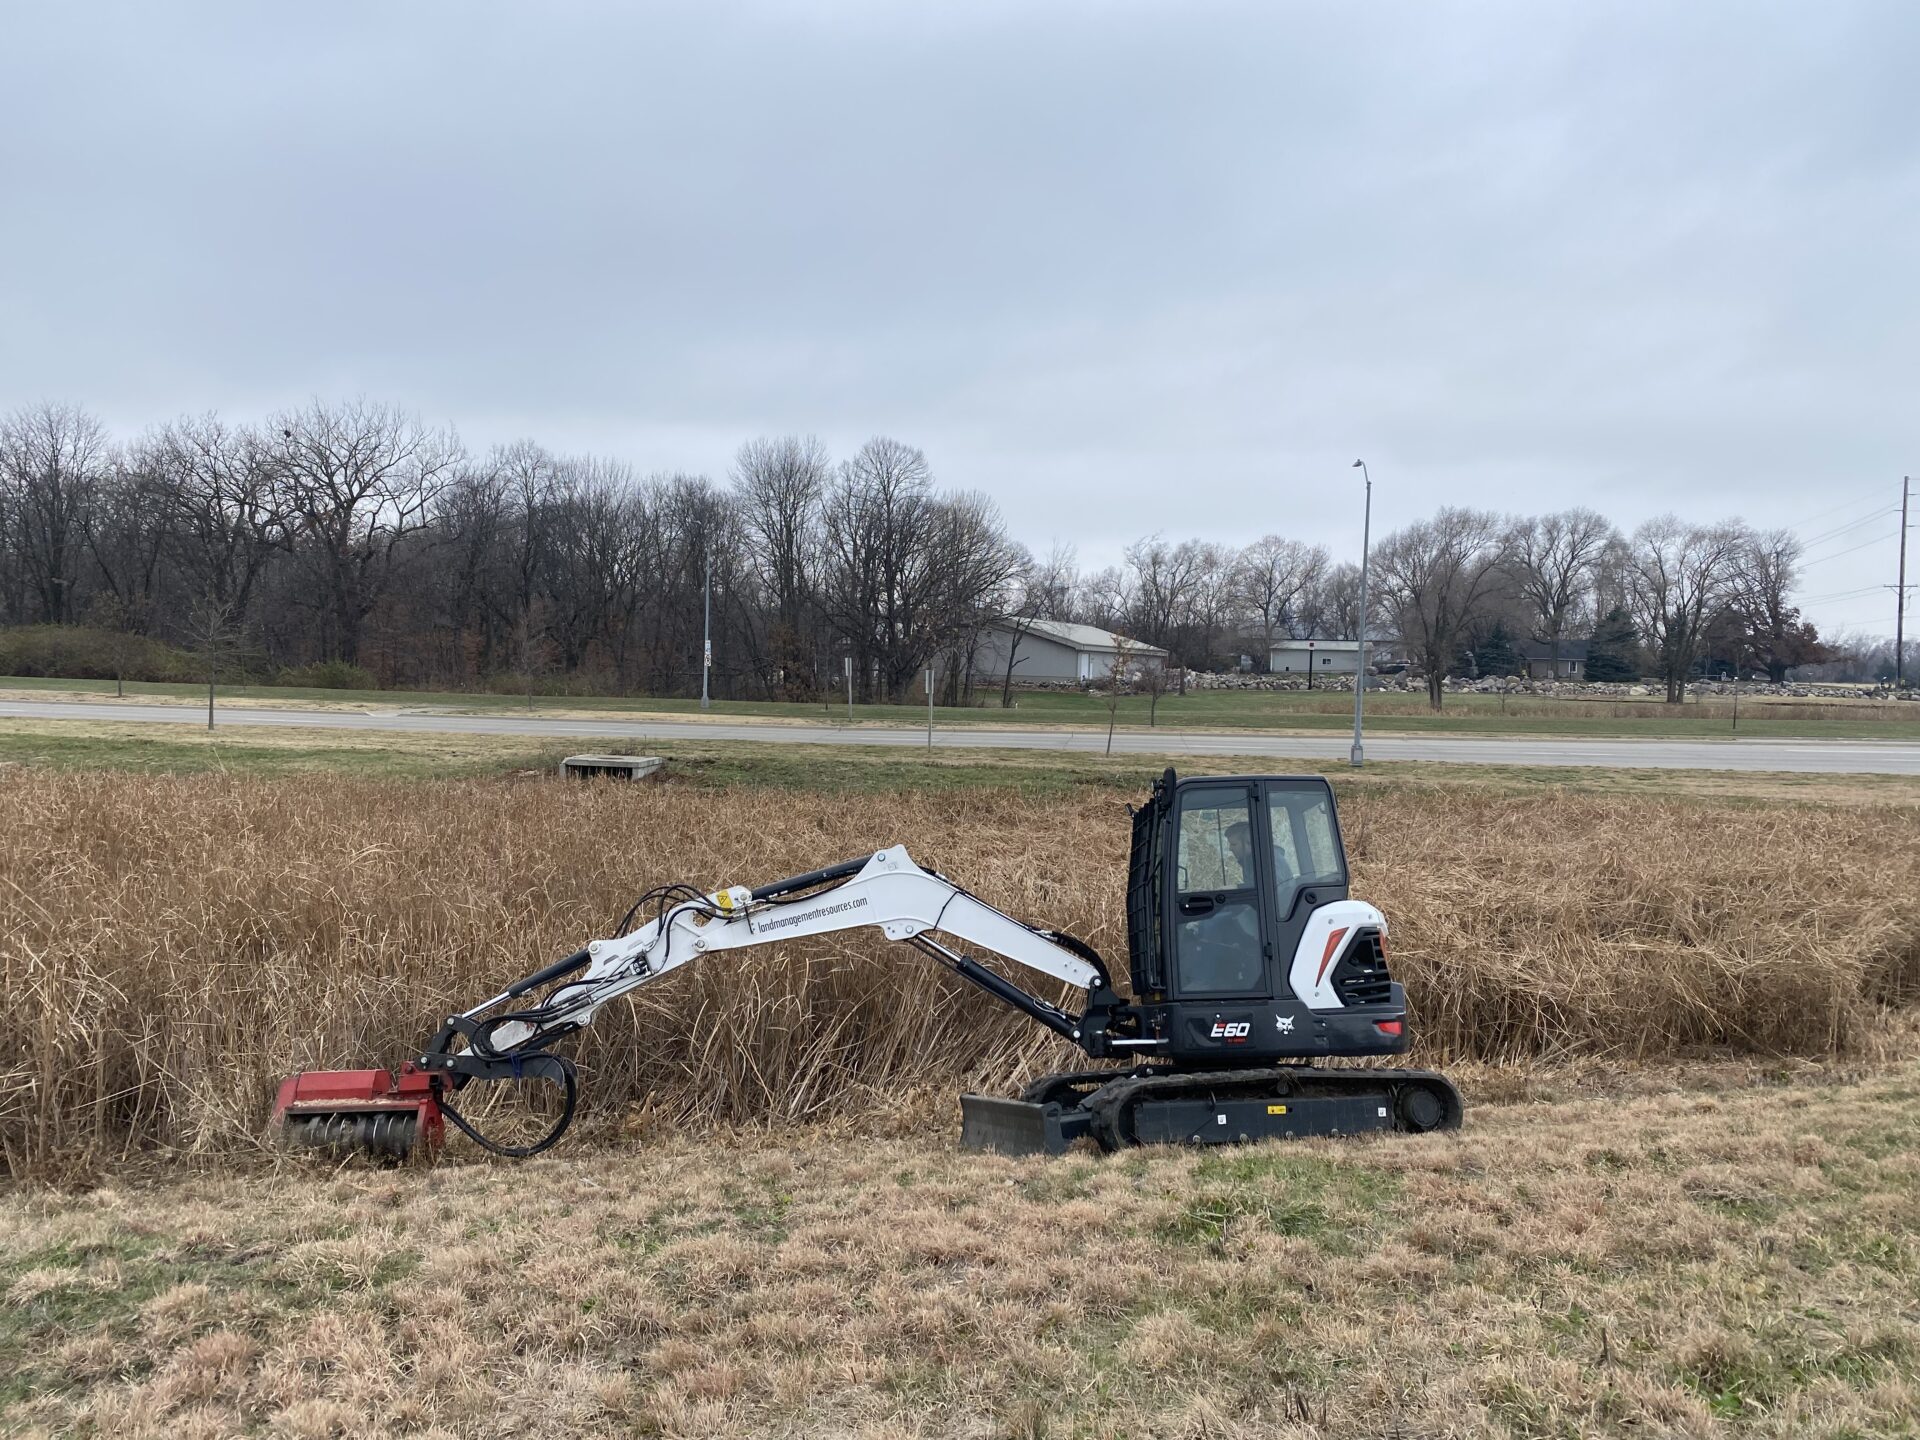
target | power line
[
  {"x": 1839, "y": 530},
  {"x": 1875, "y": 540},
  {"x": 1831, "y": 509},
  {"x": 1840, "y": 595}
]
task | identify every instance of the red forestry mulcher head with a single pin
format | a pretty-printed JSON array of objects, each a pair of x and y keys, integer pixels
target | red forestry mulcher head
[{"x": 383, "y": 1113}]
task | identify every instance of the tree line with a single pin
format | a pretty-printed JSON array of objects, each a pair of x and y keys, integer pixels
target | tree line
[{"x": 355, "y": 540}]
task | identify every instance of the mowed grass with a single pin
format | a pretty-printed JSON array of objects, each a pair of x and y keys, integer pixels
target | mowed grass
[
  {"x": 1305, "y": 711},
  {"x": 1687, "y": 1263},
  {"x": 276, "y": 750}
]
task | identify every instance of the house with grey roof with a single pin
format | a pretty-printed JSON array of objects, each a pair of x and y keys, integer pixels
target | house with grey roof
[
  {"x": 1054, "y": 651},
  {"x": 1566, "y": 661}
]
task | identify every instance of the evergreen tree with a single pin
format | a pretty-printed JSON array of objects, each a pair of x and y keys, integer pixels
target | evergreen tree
[
  {"x": 1614, "y": 651},
  {"x": 1497, "y": 653}
]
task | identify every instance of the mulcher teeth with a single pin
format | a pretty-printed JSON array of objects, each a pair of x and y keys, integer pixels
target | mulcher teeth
[
  {"x": 383, "y": 1114},
  {"x": 380, "y": 1134}
]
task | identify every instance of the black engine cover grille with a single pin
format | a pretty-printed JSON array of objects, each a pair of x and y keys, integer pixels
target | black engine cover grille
[{"x": 1361, "y": 977}]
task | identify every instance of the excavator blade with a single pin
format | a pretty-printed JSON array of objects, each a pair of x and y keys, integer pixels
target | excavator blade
[
  {"x": 1019, "y": 1127},
  {"x": 383, "y": 1115}
]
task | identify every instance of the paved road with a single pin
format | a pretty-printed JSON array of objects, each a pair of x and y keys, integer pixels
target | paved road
[{"x": 1840, "y": 757}]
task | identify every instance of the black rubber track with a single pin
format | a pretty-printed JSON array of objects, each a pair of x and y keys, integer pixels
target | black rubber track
[
  {"x": 1071, "y": 1087},
  {"x": 1113, "y": 1104}
]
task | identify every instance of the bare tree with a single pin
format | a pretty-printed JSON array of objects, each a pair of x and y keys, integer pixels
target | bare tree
[
  {"x": 1164, "y": 580},
  {"x": 52, "y": 461},
  {"x": 1681, "y": 576},
  {"x": 530, "y": 480},
  {"x": 1177, "y": 594},
  {"x": 1154, "y": 680},
  {"x": 907, "y": 572},
  {"x": 358, "y": 480},
  {"x": 1274, "y": 579},
  {"x": 1037, "y": 590},
  {"x": 1331, "y": 607},
  {"x": 1215, "y": 598},
  {"x": 1105, "y": 598},
  {"x": 1436, "y": 577},
  {"x": 126, "y": 530},
  {"x": 216, "y": 639},
  {"x": 1117, "y": 679},
  {"x": 1553, "y": 559},
  {"x": 1773, "y": 634},
  {"x": 224, "y": 518},
  {"x": 585, "y": 587},
  {"x": 781, "y": 484},
  {"x": 872, "y": 523},
  {"x": 977, "y": 570},
  {"x": 106, "y": 612}
]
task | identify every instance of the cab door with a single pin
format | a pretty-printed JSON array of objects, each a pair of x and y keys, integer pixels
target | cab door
[{"x": 1216, "y": 903}]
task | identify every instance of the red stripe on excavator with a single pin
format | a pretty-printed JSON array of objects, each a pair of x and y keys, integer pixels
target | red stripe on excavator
[{"x": 1326, "y": 959}]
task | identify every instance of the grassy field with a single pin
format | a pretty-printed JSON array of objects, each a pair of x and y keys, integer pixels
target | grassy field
[
  {"x": 1686, "y": 1263},
  {"x": 870, "y": 769},
  {"x": 1304, "y": 711}
]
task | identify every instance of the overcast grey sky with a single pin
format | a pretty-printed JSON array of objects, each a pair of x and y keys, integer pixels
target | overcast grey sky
[{"x": 1125, "y": 267}]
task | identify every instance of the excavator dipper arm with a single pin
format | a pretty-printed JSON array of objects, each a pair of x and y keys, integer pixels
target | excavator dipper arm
[{"x": 509, "y": 1036}]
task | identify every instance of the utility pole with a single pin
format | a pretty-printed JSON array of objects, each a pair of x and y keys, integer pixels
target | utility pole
[
  {"x": 1360, "y": 653},
  {"x": 706, "y": 641},
  {"x": 1900, "y": 593}
]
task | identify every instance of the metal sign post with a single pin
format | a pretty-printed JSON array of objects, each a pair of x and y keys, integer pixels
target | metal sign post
[
  {"x": 929, "y": 709},
  {"x": 849, "y": 689}
]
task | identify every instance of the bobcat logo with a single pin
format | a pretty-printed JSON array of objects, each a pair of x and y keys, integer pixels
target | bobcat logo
[{"x": 1284, "y": 1024}]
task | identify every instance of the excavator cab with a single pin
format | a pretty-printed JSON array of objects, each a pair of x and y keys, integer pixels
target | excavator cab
[
  {"x": 1243, "y": 944},
  {"x": 1249, "y": 961}
]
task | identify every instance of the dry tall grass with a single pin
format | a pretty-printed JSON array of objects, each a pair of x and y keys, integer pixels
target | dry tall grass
[{"x": 170, "y": 947}]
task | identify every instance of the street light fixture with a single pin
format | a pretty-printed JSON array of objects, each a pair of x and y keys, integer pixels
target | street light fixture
[{"x": 1360, "y": 655}]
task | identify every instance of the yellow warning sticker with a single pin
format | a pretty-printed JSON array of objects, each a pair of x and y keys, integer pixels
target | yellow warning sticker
[{"x": 1276, "y": 1109}]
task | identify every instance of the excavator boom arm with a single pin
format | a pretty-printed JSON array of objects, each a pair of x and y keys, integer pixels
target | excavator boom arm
[{"x": 886, "y": 890}]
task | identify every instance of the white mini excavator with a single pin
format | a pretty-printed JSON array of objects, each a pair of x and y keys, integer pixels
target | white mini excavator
[{"x": 1248, "y": 963}]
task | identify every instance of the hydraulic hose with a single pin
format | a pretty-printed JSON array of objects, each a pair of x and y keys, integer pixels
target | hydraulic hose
[{"x": 557, "y": 1068}]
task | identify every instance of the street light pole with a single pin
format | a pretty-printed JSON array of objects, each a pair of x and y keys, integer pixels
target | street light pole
[
  {"x": 706, "y": 637},
  {"x": 1360, "y": 655},
  {"x": 1900, "y": 595}
]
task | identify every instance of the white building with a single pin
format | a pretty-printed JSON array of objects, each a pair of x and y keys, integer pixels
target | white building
[
  {"x": 1319, "y": 657},
  {"x": 1053, "y": 650}
]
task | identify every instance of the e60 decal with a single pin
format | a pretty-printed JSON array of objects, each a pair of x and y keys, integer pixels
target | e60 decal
[{"x": 1234, "y": 1032}]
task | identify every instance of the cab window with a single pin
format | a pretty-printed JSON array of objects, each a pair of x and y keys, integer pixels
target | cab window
[{"x": 1306, "y": 846}]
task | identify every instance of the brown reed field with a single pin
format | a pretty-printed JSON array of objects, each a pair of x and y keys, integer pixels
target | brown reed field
[
  {"x": 1686, "y": 1202},
  {"x": 170, "y": 946}
]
